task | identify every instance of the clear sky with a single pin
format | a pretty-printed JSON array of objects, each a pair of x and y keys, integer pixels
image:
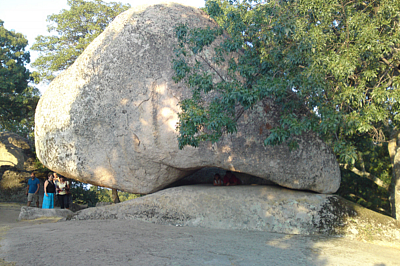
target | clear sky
[{"x": 29, "y": 16}]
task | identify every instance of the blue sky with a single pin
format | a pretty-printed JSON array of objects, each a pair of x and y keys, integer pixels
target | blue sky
[{"x": 29, "y": 16}]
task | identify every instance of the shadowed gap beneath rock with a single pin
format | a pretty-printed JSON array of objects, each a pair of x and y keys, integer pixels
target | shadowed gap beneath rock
[{"x": 206, "y": 176}]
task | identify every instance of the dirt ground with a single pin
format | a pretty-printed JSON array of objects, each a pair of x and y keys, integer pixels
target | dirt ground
[{"x": 132, "y": 242}]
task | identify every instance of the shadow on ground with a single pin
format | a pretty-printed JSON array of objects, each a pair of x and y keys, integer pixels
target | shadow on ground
[{"x": 132, "y": 242}]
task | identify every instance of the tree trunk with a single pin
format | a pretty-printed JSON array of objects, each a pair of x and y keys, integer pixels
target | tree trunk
[
  {"x": 394, "y": 189},
  {"x": 115, "y": 197}
]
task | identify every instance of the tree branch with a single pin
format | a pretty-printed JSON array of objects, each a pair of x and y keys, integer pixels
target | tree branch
[
  {"x": 388, "y": 63},
  {"x": 367, "y": 175},
  {"x": 210, "y": 66}
]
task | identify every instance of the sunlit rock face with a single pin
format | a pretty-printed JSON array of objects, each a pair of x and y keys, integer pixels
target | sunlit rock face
[
  {"x": 16, "y": 163},
  {"x": 110, "y": 118},
  {"x": 16, "y": 152}
]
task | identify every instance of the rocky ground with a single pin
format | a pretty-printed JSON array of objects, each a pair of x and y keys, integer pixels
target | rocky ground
[{"x": 133, "y": 242}]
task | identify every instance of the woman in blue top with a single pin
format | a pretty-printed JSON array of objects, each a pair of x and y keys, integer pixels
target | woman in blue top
[{"x": 49, "y": 189}]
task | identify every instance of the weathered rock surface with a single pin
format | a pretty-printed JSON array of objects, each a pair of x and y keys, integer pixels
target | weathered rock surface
[
  {"x": 114, "y": 121},
  {"x": 264, "y": 208},
  {"x": 101, "y": 204},
  {"x": 77, "y": 207},
  {"x": 31, "y": 213},
  {"x": 16, "y": 162},
  {"x": 16, "y": 152}
]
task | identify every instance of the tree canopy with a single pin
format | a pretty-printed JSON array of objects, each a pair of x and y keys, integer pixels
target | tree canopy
[
  {"x": 332, "y": 66},
  {"x": 338, "y": 59},
  {"x": 18, "y": 100},
  {"x": 74, "y": 30}
]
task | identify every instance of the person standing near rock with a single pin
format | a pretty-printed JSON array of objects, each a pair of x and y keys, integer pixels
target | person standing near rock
[
  {"x": 69, "y": 194},
  {"x": 49, "y": 190},
  {"x": 62, "y": 188},
  {"x": 56, "y": 179},
  {"x": 32, "y": 190}
]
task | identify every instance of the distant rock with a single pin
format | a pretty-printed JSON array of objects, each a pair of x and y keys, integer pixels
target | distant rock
[
  {"x": 31, "y": 213},
  {"x": 15, "y": 151},
  {"x": 115, "y": 124},
  {"x": 16, "y": 163},
  {"x": 264, "y": 208}
]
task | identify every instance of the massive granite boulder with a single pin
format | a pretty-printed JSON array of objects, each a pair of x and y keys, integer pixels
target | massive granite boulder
[
  {"x": 110, "y": 118},
  {"x": 16, "y": 162}
]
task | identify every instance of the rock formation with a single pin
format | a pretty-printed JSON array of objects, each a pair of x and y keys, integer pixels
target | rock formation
[
  {"x": 110, "y": 118},
  {"x": 16, "y": 163},
  {"x": 31, "y": 213},
  {"x": 261, "y": 208},
  {"x": 16, "y": 152}
]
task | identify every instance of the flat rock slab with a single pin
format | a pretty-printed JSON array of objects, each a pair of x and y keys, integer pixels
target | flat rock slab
[
  {"x": 263, "y": 208},
  {"x": 31, "y": 213},
  {"x": 132, "y": 242}
]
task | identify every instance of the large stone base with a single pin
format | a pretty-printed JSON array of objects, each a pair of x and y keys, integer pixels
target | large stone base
[
  {"x": 265, "y": 208},
  {"x": 31, "y": 213}
]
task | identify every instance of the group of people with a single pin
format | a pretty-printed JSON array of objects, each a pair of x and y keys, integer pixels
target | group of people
[
  {"x": 229, "y": 179},
  {"x": 55, "y": 188}
]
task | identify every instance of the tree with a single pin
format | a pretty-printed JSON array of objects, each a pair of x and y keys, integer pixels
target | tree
[
  {"x": 81, "y": 194},
  {"x": 114, "y": 195},
  {"x": 367, "y": 182},
  {"x": 84, "y": 194},
  {"x": 394, "y": 151},
  {"x": 332, "y": 66},
  {"x": 75, "y": 29},
  {"x": 18, "y": 100}
]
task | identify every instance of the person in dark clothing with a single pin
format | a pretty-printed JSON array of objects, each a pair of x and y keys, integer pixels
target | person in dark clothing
[
  {"x": 49, "y": 190},
  {"x": 230, "y": 179}
]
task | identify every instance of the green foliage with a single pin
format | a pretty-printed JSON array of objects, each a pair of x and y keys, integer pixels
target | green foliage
[
  {"x": 124, "y": 196},
  {"x": 18, "y": 100},
  {"x": 332, "y": 66},
  {"x": 364, "y": 192},
  {"x": 105, "y": 194},
  {"x": 75, "y": 29},
  {"x": 84, "y": 194},
  {"x": 374, "y": 159}
]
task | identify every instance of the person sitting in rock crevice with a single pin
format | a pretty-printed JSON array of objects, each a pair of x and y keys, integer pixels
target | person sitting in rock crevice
[
  {"x": 217, "y": 180},
  {"x": 230, "y": 179}
]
